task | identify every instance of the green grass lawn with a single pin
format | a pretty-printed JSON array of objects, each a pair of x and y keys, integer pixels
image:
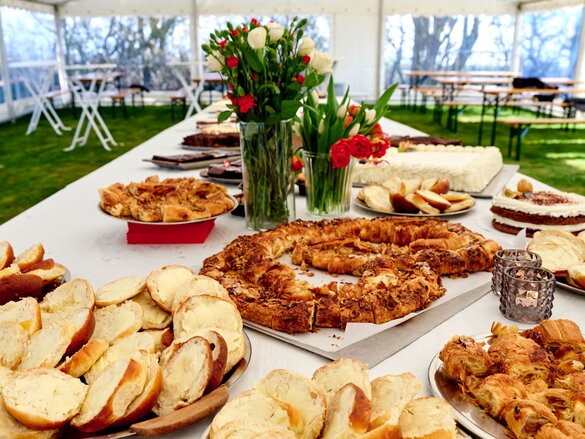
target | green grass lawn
[{"x": 34, "y": 167}]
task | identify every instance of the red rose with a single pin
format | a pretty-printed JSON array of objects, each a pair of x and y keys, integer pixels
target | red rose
[
  {"x": 231, "y": 86},
  {"x": 379, "y": 147},
  {"x": 376, "y": 130},
  {"x": 232, "y": 62},
  {"x": 306, "y": 59},
  {"x": 232, "y": 97},
  {"x": 235, "y": 33},
  {"x": 348, "y": 120},
  {"x": 222, "y": 44},
  {"x": 254, "y": 22},
  {"x": 246, "y": 103},
  {"x": 254, "y": 76},
  {"x": 340, "y": 153},
  {"x": 361, "y": 147},
  {"x": 300, "y": 79},
  {"x": 353, "y": 110},
  {"x": 244, "y": 29},
  {"x": 297, "y": 164}
]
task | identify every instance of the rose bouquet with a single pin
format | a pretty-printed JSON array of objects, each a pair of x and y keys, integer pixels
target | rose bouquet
[
  {"x": 269, "y": 69},
  {"x": 334, "y": 135}
]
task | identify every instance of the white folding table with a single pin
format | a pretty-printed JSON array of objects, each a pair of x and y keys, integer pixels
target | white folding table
[
  {"x": 192, "y": 93},
  {"x": 87, "y": 89},
  {"x": 38, "y": 85}
]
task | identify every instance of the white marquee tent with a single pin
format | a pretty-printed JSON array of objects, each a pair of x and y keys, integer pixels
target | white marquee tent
[{"x": 356, "y": 27}]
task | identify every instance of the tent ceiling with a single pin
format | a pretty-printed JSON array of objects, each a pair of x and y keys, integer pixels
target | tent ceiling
[{"x": 262, "y": 7}]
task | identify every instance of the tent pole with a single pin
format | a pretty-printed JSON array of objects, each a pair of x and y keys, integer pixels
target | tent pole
[
  {"x": 380, "y": 61},
  {"x": 196, "y": 66},
  {"x": 60, "y": 50},
  {"x": 580, "y": 66},
  {"x": 517, "y": 45},
  {"x": 6, "y": 74}
]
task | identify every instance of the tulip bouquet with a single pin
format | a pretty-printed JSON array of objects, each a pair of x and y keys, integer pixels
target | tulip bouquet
[
  {"x": 334, "y": 134},
  {"x": 269, "y": 68}
]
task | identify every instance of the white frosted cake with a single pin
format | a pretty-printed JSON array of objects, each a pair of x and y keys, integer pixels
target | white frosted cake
[{"x": 468, "y": 168}]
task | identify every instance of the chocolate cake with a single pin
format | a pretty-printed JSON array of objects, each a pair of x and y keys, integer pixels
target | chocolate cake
[
  {"x": 536, "y": 211},
  {"x": 232, "y": 171},
  {"x": 213, "y": 140}
]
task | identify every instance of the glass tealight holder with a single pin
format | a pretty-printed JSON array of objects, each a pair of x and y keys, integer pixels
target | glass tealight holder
[
  {"x": 505, "y": 259},
  {"x": 527, "y": 294}
]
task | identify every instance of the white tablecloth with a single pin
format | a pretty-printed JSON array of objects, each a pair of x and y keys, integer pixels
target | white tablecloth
[{"x": 93, "y": 246}]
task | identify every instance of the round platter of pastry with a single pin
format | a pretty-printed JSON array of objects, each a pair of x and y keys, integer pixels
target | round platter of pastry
[{"x": 166, "y": 202}]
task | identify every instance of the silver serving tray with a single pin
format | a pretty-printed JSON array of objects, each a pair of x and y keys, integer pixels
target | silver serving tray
[{"x": 566, "y": 286}]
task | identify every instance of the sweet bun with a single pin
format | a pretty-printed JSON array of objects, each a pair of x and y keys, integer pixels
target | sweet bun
[
  {"x": 558, "y": 250},
  {"x": 301, "y": 394},
  {"x": 114, "y": 322},
  {"x": 18, "y": 286},
  {"x": 130, "y": 346},
  {"x": 163, "y": 284},
  {"x": 255, "y": 408},
  {"x": 348, "y": 413},
  {"x": 219, "y": 355},
  {"x": 245, "y": 429},
  {"x": 144, "y": 402},
  {"x": 13, "y": 341},
  {"x": 6, "y": 254},
  {"x": 186, "y": 372},
  {"x": 30, "y": 256},
  {"x": 428, "y": 418},
  {"x": 576, "y": 275},
  {"x": 68, "y": 297},
  {"x": 47, "y": 275},
  {"x": 43, "y": 399},
  {"x": 162, "y": 338},
  {"x": 25, "y": 312},
  {"x": 82, "y": 360},
  {"x": 110, "y": 395},
  {"x": 197, "y": 286},
  {"x": 120, "y": 290},
  {"x": 82, "y": 324},
  {"x": 378, "y": 197},
  {"x": 202, "y": 312},
  {"x": 47, "y": 346},
  {"x": 235, "y": 342},
  {"x": 153, "y": 316},
  {"x": 333, "y": 376}
]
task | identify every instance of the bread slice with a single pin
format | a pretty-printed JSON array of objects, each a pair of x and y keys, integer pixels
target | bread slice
[
  {"x": 18, "y": 286},
  {"x": 25, "y": 312},
  {"x": 153, "y": 316},
  {"x": 68, "y": 297},
  {"x": 390, "y": 395},
  {"x": 6, "y": 254},
  {"x": 219, "y": 354},
  {"x": 82, "y": 325},
  {"x": 119, "y": 290},
  {"x": 47, "y": 346},
  {"x": 434, "y": 199},
  {"x": 13, "y": 341},
  {"x": 162, "y": 338},
  {"x": 30, "y": 256},
  {"x": 82, "y": 360},
  {"x": 202, "y": 312},
  {"x": 117, "y": 321},
  {"x": 422, "y": 204},
  {"x": 196, "y": 286},
  {"x": 186, "y": 372},
  {"x": 245, "y": 429},
  {"x": 235, "y": 341},
  {"x": 130, "y": 346},
  {"x": 301, "y": 394},
  {"x": 335, "y": 375},
  {"x": 9, "y": 271},
  {"x": 48, "y": 275},
  {"x": 254, "y": 407},
  {"x": 163, "y": 284},
  {"x": 109, "y": 396},
  {"x": 348, "y": 413},
  {"x": 43, "y": 398},
  {"x": 144, "y": 402},
  {"x": 426, "y": 418}
]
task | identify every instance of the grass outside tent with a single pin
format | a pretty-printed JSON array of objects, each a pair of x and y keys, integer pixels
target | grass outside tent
[{"x": 34, "y": 167}]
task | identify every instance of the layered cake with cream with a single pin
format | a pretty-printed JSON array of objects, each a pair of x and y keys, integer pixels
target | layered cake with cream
[
  {"x": 468, "y": 168},
  {"x": 541, "y": 210}
]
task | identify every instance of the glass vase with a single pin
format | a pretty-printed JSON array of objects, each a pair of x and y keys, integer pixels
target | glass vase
[
  {"x": 328, "y": 188},
  {"x": 267, "y": 173}
]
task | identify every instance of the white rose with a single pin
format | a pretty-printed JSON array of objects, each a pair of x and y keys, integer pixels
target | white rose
[
  {"x": 257, "y": 38},
  {"x": 307, "y": 47},
  {"x": 354, "y": 130},
  {"x": 321, "y": 127},
  {"x": 342, "y": 111},
  {"x": 315, "y": 96},
  {"x": 215, "y": 61},
  {"x": 321, "y": 62},
  {"x": 370, "y": 115},
  {"x": 275, "y": 31}
]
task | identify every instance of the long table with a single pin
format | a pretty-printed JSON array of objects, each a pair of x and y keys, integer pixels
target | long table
[{"x": 93, "y": 246}]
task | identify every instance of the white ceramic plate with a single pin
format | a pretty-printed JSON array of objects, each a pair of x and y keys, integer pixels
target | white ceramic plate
[{"x": 364, "y": 206}]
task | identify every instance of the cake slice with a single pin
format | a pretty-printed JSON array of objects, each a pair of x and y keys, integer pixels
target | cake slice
[{"x": 43, "y": 399}]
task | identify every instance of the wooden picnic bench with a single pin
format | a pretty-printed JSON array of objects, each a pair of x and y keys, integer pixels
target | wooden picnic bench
[{"x": 519, "y": 128}]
